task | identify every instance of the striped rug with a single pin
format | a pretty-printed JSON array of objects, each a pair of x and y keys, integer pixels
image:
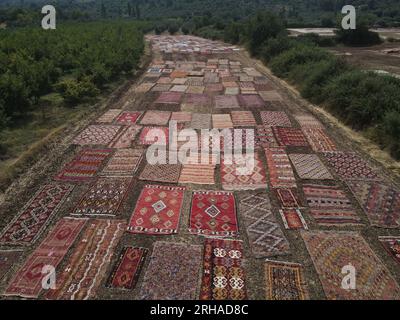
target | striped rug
[{"x": 243, "y": 119}]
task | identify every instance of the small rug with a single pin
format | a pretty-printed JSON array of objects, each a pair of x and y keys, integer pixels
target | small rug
[
  {"x": 169, "y": 98},
  {"x": 309, "y": 166},
  {"x": 329, "y": 205},
  {"x": 234, "y": 91},
  {"x": 226, "y": 102},
  {"x": 129, "y": 117},
  {"x": 109, "y": 116},
  {"x": 153, "y": 135},
  {"x": 270, "y": 95},
  {"x": 196, "y": 100},
  {"x": 104, "y": 197},
  {"x": 265, "y": 137},
  {"x": 392, "y": 246},
  {"x": 127, "y": 269},
  {"x": 89, "y": 262},
  {"x": 251, "y": 101},
  {"x": 285, "y": 281},
  {"x": 32, "y": 220},
  {"x": 157, "y": 118},
  {"x": 158, "y": 210},
  {"x": 179, "y": 88},
  {"x": 201, "y": 121},
  {"x": 197, "y": 174},
  {"x": 84, "y": 166},
  {"x": 144, "y": 87},
  {"x": 168, "y": 173},
  {"x": 319, "y": 140},
  {"x": 350, "y": 166},
  {"x": 126, "y": 137},
  {"x": 172, "y": 273},
  {"x": 280, "y": 170},
  {"x": 265, "y": 235},
  {"x": 195, "y": 89},
  {"x": 124, "y": 162},
  {"x": 290, "y": 137},
  {"x": 213, "y": 213},
  {"x": 161, "y": 88},
  {"x": 178, "y": 74},
  {"x": 331, "y": 251},
  {"x": 27, "y": 282},
  {"x": 293, "y": 219},
  {"x": 275, "y": 119},
  {"x": 243, "y": 119},
  {"x": 308, "y": 121},
  {"x": 180, "y": 117},
  {"x": 214, "y": 88},
  {"x": 96, "y": 135},
  {"x": 381, "y": 202},
  {"x": 223, "y": 273},
  {"x": 222, "y": 121},
  {"x": 7, "y": 259},
  {"x": 288, "y": 198},
  {"x": 241, "y": 175}
]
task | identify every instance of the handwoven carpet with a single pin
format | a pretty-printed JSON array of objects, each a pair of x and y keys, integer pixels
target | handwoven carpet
[
  {"x": 319, "y": 140},
  {"x": 223, "y": 273},
  {"x": 226, "y": 102},
  {"x": 104, "y": 197},
  {"x": 293, "y": 219},
  {"x": 168, "y": 173},
  {"x": 251, "y": 101},
  {"x": 84, "y": 166},
  {"x": 129, "y": 117},
  {"x": 124, "y": 162},
  {"x": 329, "y": 205},
  {"x": 243, "y": 119},
  {"x": 238, "y": 176},
  {"x": 214, "y": 88},
  {"x": 234, "y": 91},
  {"x": 222, "y": 121},
  {"x": 381, "y": 202},
  {"x": 213, "y": 213},
  {"x": 331, "y": 251},
  {"x": 34, "y": 217},
  {"x": 161, "y": 88},
  {"x": 169, "y": 98},
  {"x": 196, "y": 100},
  {"x": 197, "y": 174},
  {"x": 7, "y": 259},
  {"x": 181, "y": 117},
  {"x": 127, "y": 269},
  {"x": 172, "y": 273},
  {"x": 280, "y": 170},
  {"x": 179, "y": 88},
  {"x": 27, "y": 282},
  {"x": 290, "y": 137},
  {"x": 157, "y": 118},
  {"x": 288, "y": 198},
  {"x": 284, "y": 281},
  {"x": 195, "y": 89},
  {"x": 275, "y": 119},
  {"x": 96, "y": 135},
  {"x": 158, "y": 210},
  {"x": 307, "y": 121},
  {"x": 154, "y": 135},
  {"x": 126, "y": 137},
  {"x": 265, "y": 137},
  {"x": 201, "y": 121},
  {"x": 270, "y": 95},
  {"x": 309, "y": 166},
  {"x": 265, "y": 235},
  {"x": 89, "y": 262},
  {"x": 350, "y": 166},
  {"x": 144, "y": 87},
  {"x": 109, "y": 116},
  {"x": 392, "y": 246}
]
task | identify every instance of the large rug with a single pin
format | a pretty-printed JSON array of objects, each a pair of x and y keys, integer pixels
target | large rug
[
  {"x": 251, "y": 101},
  {"x": 154, "y": 135},
  {"x": 158, "y": 210},
  {"x": 126, "y": 270},
  {"x": 319, "y": 140},
  {"x": 124, "y": 162},
  {"x": 126, "y": 137},
  {"x": 172, "y": 273},
  {"x": 284, "y": 281},
  {"x": 309, "y": 166},
  {"x": 226, "y": 102},
  {"x": 104, "y": 197},
  {"x": 156, "y": 118},
  {"x": 290, "y": 137},
  {"x": 265, "y": 137},
  {"x": 350, "y": 166},
  {"x": 96, "y": 135},
  {"x": 89, "y": 262},
  {"x": 223, "y": 273},
  {"x": 84, "y": 166},
  {"x": 275, "y": 119},
  {"x": 213, "y": 213},
  {"x": 109, "y": 116},
  {"x": 392, "y": 246},
  {"x": 280, "y": 170},
  {"x": 222, "y": 121},
  {"x": 329, "y": 205},
  {"x": 129, "y": 117},
  {"x": 34, "y": 217},
  {"x": 288, "y": 198},
  {"x": 27, "y": 282},
  {"x": 169, "y": 98},
  {"x": 381, "y": 202},
  {"x": 265, "y": 235},
  {"x": 331, "y": 251},
  {"x": 293, "y": 219},
  {"x": 201, "y": 121},
  {"x": 241, "y": 175},
  {"x": 7, "y": 259},
  {"x": 243, "y": 119},
  {"x": 168, "y": 173}
]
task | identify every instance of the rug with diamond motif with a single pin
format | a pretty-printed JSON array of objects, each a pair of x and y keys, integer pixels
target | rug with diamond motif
[
  {"x": 265, "y": 235},
  {"x": 309, "y": 166},
  {"x": 319, "y": 140},
  {"x": 290, "y": 137},
  {"x": 213, "y": 213},
  {"x": 293, "y": 219},
  {"x": 331, "y": 251},
  {"x": 280, "y": 170},
  {"x": 288, "y": 198},
  {"x": 129, "y": 117},
  {"x": 392, "y": 246},
  {"x": 96, "y": 135},
  {"x": 275, "y": 119},
  {"x": 223, "y": 273},
  {"x": 158, "y": 210}
]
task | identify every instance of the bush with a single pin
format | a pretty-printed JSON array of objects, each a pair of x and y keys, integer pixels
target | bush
[
  {"x": 74, "y": 91},
  {"x": 361, "y": 36},
  {"x": 391, "y": 130},
  {"x": 276, "y": 46}
]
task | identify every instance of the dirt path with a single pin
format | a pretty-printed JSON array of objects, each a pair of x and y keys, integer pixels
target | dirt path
[{"x": 129, "y": 99}]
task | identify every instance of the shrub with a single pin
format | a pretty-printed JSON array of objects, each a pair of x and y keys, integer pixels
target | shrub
[{"x": 361, "y": 36}]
